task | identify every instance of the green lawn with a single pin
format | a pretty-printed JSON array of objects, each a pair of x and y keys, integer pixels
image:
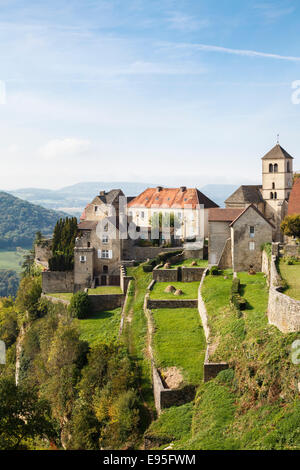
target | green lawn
[
  {"x": 189, "y": 289},
  {"x": 102, "y": 290},
  {"x": 291, "y": 274},
  {"x": 101, "y": 327},
  {"x": 179, "y": 341},
  {"x": 62, "y": 295},
  {"x": 12, "y": 259},
  {"x": 201, "y": 263}
]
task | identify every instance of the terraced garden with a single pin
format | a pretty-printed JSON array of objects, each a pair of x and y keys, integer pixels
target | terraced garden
[
  {"x": 189, "y": 290},
  {"x": 291, "y": 274},
  {"x": 101, "y": 327}
]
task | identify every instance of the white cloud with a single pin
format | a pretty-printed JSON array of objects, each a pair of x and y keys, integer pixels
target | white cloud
[
  {"x": 273, "y": 11},
  {"x": 64, "y": 148},
  {"x": 227, "y": 50},
  {"x": 186, "y": 23}
]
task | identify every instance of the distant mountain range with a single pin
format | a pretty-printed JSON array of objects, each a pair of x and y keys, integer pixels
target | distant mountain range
[
  {"x": 20, "y": 220},
  {"x": 73, "y": 199}
]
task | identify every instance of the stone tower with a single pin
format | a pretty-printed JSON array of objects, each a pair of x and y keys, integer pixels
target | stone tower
[{"x": 277, "y": 182}]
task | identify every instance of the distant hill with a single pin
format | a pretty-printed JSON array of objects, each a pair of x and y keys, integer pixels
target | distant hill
[
  {"x": 20, "y": 220},
  {"x": 73, "y": 199}
]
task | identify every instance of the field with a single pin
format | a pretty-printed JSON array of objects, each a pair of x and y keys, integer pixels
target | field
[
  {"x": 12, "y": 259},
  {"x": 179, "y": 341},
  {"x": 101, "y": 327},
  {"x": 291, "y": 274},
  {"x": 189, "y": 289}
]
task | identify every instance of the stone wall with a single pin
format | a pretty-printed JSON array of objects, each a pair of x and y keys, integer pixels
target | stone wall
[
  {"x": 225, "y": 261},
  {"x": 56, "y": 300},
  {"x": 178, "y": 303},
  {"x": 199, "y": 254},
  {"x": 140, "y": 253},
  {"x": 210, "y": 369},
  {"x": 101, "y": 303},
  {"x": 164, "y": 275},
  {"x": 265, "y": 264},
  {"x": 43, "y": 252},
  {"x": 57, "y": 281},
  {"x": 219, "y": 232},
  {"x": 191, "y": 274},
  {"x": 124, "y": 279},
  {"x": 283, "y": 311}
]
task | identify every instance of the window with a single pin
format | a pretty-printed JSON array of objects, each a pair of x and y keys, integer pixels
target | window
[
  {"x": 104, "y": 239},
  {"x": 142, "y": 214},
  {"x": 252, "y": 232},
  {"x": 89, "y": 244},
  {"x": 273, "y": 185},
  {"x": 105, "y": 269},
  {"x": 275, "y": 168},
  {"x": 271, "y": 196},
  {"x": 82, "y": 259},
  {"x": 270, "y": 168},
  {"x": 105, "y": 254},
  {"x": 251, "y": 246},
  {"x": 96, "y": 208},
  {"x": 288, "y": 167},
  {"x": 275, "y": 195},
  {"x": 106, "y": 228}
]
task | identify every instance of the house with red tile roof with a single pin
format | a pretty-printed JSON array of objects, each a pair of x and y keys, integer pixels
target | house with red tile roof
[
  {"x": 294, "y": 200},
  {"x": 188, "y": 206}
]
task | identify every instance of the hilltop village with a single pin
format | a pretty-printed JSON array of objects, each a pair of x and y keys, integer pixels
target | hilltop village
[{"x": 204, "y": 300}]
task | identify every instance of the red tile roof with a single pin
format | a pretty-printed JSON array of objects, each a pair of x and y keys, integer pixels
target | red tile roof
[
  {"x": 294, "y": 200},
  {"x": 223, "y": 215},
  {"x": 176, "y": 198}
]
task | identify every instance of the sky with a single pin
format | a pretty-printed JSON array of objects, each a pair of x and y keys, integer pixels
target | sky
[{"x": 172, "y": 92}]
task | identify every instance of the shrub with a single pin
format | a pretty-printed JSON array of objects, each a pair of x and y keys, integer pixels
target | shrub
[
  {"x": 214, "y": 271},
  {"x": 235, "y": 286},
  {"x": 80, "y": 305},
  {"x": 236, "y": 299}
]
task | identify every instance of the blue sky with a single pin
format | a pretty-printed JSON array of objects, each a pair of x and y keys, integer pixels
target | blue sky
[{"x": 169, "y": 92}]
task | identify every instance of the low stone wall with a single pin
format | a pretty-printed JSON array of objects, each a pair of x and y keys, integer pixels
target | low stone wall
[
  {"x": 101, "y": 303},
  {"x": 164, "y": 275},
  {"x": 265, "y": 264},
  {"x": 283, "y": 311},
  {"x": 56, "y": 300},
  {"x": 124, "y": 279},
  {"x": 193, "y": 253},
  {"x": 191, "y": 274},
  {"x": 165, "y": 397},
  {"x": 210, "y": 369},
  {"x": 170, "y": 303},
  {"x": 225, "y": 261},
  {"x": 142, "y": 253},
  {"x": 57, "y": 281}
]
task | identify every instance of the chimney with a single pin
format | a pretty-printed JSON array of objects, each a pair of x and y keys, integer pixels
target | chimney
[
  {"x": 182, "y": 188},
  {"x": 159, "y": 188}
]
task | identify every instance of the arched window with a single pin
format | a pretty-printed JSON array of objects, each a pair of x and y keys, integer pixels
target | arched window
[
  {"x": 270, "y": 168},
  {"x": 273, "y": 185},
  {"x": 275, "y": 168},
  {"x": 288, "y": 167},
  {"x": 271, "y": 196},
  {"x": 105, "y": 269},
  {"x": 275, "y": 195}
]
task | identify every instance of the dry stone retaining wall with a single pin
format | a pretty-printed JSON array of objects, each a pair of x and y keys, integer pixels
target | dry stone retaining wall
[{"x": 57, "y": 281}]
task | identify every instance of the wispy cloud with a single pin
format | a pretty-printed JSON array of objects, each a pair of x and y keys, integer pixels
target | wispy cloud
[
  {"x": 227, "y": 50},
  {"x": 272, "y": 11},
  {"x": 186, "y": 23},
  {"x": 62, "y": 148}
]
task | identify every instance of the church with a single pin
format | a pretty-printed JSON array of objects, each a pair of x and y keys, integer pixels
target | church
[{"x": 270, "y": 198}]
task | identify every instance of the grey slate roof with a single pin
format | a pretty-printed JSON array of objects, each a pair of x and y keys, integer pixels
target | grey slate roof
[
  {"x": 277, "y": 153},
  {"x": 249, "y": 194},
  {"x": 108, "y": 198}
]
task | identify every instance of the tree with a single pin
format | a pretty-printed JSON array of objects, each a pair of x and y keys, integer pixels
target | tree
[
  {"x": 80, "y": 305},
  {"x": 63, "y": 243},
  {"x": 22, "y": 416},
  {"x": 290, "y": 226},
  {"x": 29, "y": 295}
]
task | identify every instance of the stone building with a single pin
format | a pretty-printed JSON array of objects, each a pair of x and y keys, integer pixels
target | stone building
[
  {"x": 270, "y": 198},
  {"x": 236, "y": 236},
  {"x": 99, "y": 248},
  {"x": 188, "y": 205}
]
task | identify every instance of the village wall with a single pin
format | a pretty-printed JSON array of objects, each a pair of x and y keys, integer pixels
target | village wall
[{"x": 57, "y": 281}]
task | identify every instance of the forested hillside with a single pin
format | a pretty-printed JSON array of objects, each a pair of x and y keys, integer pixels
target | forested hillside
[{"x": 20, "y": 220}]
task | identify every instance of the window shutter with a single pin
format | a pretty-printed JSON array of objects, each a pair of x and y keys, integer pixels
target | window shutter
[
  {"x": 110, "y": 254},
  {"x": 99, "y": 253}
]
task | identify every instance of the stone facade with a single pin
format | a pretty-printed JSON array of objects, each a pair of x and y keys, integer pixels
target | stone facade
[
  {"x": 43, "y": 252},
  {"x": 219, "y": 232},
  {"x": 100, "y": 303},
  {"x": 164, "y": 275},
  {"x": 248, "y": 233}
]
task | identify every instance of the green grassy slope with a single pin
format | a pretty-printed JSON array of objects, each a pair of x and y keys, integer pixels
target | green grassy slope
[{"x": 100, "y": 327}]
